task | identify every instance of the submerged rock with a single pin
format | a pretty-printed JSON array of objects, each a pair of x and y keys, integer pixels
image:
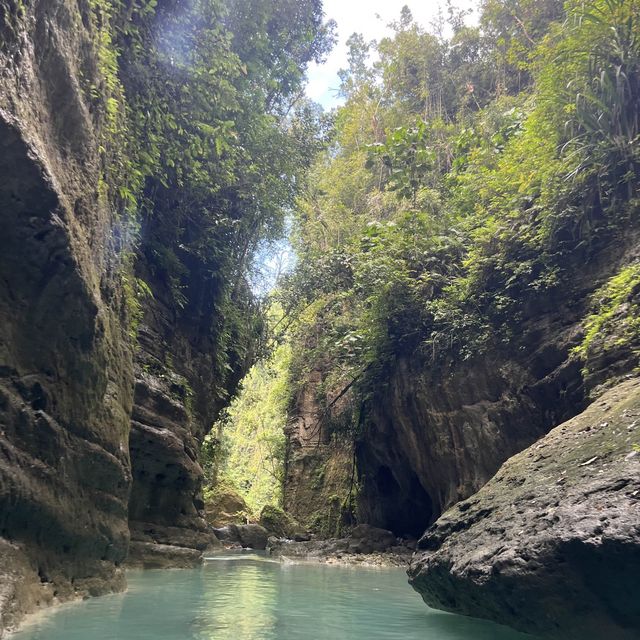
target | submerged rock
[{"x": 551, "y": 545}]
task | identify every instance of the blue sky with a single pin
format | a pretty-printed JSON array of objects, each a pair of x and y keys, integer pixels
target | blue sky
[{"x": 369, "y": 17}]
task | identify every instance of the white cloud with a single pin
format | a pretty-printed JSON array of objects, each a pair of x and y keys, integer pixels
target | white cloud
[{"x": 371, "y": 19}]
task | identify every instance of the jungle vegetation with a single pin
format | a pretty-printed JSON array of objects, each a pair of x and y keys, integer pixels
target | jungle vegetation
[{"x": 469, "y": 172}]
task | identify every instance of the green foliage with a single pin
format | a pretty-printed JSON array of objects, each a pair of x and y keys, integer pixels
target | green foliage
[
  {"x": 605, "y": 122},
  {"x": 246, "y": 446},
  {"x": 275, "y": 520},
  {"x": 616, "y": 314},
  {"x": 205, "y": 147},
  {"x": 408, "y": 158},
  {"x": 135, "y": 291},
  {"x": 515, "y": 29},
  {"x": 437, "y": 228}
]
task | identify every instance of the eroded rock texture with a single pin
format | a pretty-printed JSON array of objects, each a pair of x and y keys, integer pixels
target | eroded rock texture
[
  {"x": 166, "y": 504},
  {"x": 179, "y": 392},
  {"x": 551, "y": 545},
  {"x": 65, "y": 367}
]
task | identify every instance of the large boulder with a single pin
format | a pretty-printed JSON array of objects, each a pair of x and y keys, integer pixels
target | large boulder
[
  {"x": 551, "y": 545},
  {"x": 253, "y": 536},
  {"x": 281, "y": 524},
  {"x": 228, "y": 534},
  {"x": 224, "y": 505}
]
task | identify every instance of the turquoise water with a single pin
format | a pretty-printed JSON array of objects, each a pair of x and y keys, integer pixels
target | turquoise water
[{"x": 249, "y": 597}]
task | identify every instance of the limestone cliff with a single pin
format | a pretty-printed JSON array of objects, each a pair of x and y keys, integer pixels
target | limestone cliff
[
  {"x": 177, "y": 398},
  {"x": 550, "y": 544},
  {"x": 436, "y": 434},
  {"x": 433, "y": 432},
  {"x": 65, "y": 363},
  {"x": 100, "y": 423},
  {"x": 319, "y": 479}
]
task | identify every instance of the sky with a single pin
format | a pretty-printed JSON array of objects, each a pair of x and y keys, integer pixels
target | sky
[{"x": 369, "y": 17}]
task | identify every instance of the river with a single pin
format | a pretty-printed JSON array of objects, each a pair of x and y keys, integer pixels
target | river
[{"x": 250, "y": 597}]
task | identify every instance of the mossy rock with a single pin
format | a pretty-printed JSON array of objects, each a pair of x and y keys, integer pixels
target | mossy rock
[
  {"x": 551, "y": 544},
  {"x": 279, "y": 523},
  {"x": 224, "y": 505}
]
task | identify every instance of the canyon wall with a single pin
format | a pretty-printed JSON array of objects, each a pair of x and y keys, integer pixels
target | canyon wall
[
  {"x": 436, "y": 433},
  {"x": 177, "y": 398},
  {"x": 105, "y": 391},
  {"x": 319, "y": 467},
  {"x": 65, "y": 362},
  {"x": 433, "y": 431}
]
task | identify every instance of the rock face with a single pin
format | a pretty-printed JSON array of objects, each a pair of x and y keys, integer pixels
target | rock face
[
  {"x": 65, "y": 363},
  {"x": 178, "y": 396},
  {"x": 551, "y": 545},
  {"x": 435, "y": 439},
  {"x": 433, "y": 433},
  {"x": 319, "y": 468},
  {"x": 166, "y": 505},
  {"x": 73, "y": 410}
]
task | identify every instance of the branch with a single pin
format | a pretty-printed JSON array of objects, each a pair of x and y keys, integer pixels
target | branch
[{"x": 317, "y": 426}]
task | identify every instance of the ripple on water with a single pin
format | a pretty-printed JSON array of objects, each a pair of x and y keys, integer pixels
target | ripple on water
[{"x": 250, "y": 597}]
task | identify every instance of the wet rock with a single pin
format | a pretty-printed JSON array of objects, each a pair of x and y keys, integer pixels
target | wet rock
[
  {"x": 21, "y": 590},
  {"x": 551, "y": 545},
  {"x": 253, "y": 536},
  {"x": 151, "y": 555},
  {"x": 308, "y": 550}
]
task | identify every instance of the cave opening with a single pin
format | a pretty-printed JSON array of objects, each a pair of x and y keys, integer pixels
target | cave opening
[{"x": 401, "y": 503}]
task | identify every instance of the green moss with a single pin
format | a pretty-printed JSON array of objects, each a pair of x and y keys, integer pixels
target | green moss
[
  {"x": 611, "y": 324},
  {"x": 317, "y": 479},
  {"x": 135, "y": 290},
  {"x": 277, "y": 521}
]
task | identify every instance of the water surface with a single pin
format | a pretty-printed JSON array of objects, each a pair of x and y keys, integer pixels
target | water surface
[{"x": 249, "y": 597}]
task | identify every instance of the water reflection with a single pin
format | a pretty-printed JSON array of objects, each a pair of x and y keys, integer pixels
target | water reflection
[
  {"x": 248, "y": 598},
  {"x": 244, "y": 599}
]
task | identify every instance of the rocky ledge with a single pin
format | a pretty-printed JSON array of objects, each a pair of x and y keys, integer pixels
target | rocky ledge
[
  {"x": 551, "y": 545},
  {"x": 366, "y": 545}
]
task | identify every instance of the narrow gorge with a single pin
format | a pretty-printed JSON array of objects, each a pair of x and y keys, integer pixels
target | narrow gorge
[{"x": 404, "y": 329}]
